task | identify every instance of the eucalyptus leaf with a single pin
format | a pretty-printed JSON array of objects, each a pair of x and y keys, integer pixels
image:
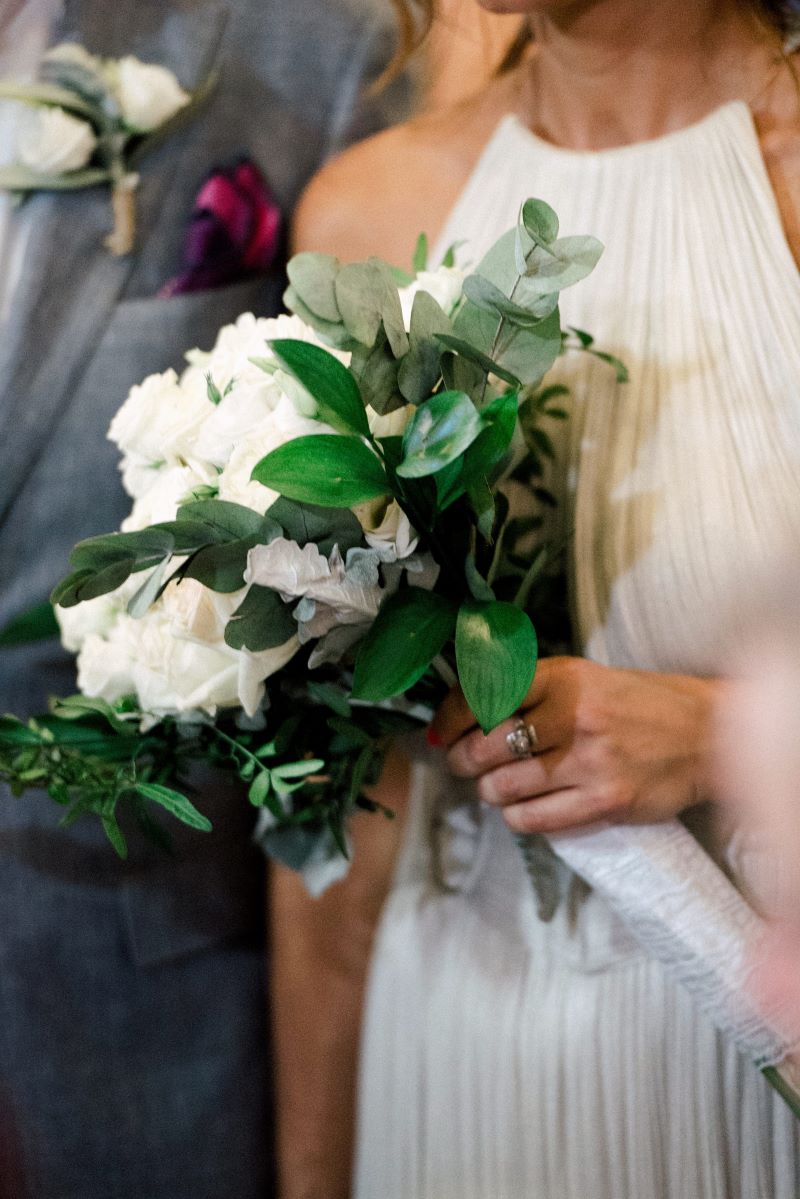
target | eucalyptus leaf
[
  {"x": 496, "y": 653},
  {"x": 487, "y": 364},
  {"x": 368, "y": 298},
  {"x": 565, "y": 263},
  {"x": 421, "y": 368},
  {"x": 410, "y": 630},
  {"x": 333, "y": 333},
  {"x": 335, "y": 472},
  {"x": 221, "y": 567},
  {"x": 375, "y": 369},
  {"x": 313, "y": 277},
  {"x": 150, "y": 590},
  {"x": 325, "y": 527},
  {"x": 539, "y": 221},
  {"x": 439, "y": 432},
  {"x": 224, "y": 520},
  {"x": 261, "y": 622}
]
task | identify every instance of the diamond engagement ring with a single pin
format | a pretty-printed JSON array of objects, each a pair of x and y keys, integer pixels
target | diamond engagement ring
[{"x": 522, "y": 740}]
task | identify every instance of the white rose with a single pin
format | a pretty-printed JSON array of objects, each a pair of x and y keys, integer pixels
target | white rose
[
  {"x": 52, "y": 142},
  {"x": 246, "y": 406},
  {"x": 169, "y": 488},
  {"x": 197, "y": 612},
  {"x": 445, "y": 285},
  {"x": 175, "y": 672},
  {"x": 105, "y": 664},
  {"x": 95, "y": 617},
  {"x": 247, "y": 338},
  {"x": 148, "y": 94},
  {"x": 160, "y": 419},
  {"x": 282, "y": 425}
]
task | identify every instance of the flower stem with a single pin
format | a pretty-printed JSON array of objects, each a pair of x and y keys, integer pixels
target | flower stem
[
  {"x": 786, "y": 1092},
  {"x": 123, "y": 203}
]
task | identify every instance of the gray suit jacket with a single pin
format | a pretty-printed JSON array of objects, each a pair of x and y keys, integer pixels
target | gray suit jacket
[{"x": 133, "y": 1049}]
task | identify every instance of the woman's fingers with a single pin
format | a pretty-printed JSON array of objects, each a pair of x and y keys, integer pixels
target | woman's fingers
[
  {"x": 516, "y": 781},
  {"x": 454, "y": 717},
  {"x": 561, "y": 810},
  {"x": 474, "y": 753}
]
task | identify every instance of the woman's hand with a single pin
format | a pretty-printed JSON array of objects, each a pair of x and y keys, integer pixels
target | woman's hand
[{"x": 618, "y": 745}]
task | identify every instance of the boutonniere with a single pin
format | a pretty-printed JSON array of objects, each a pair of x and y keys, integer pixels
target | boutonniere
[{"x": 89, "y": 121}]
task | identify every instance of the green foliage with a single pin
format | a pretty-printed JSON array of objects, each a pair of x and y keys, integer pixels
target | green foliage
[
  {"x": 37, "y": 624},
  {"x": 410, "y": 630},
  {"x": 332, "y": 386},
  {"x": 438, "y": 433},
  {"x": 262, "y": 621},
  {"x": 334, "y": 472},
  {"x": 496, "y": 652}
]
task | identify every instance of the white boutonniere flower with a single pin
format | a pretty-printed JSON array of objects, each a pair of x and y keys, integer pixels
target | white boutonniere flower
[{"x": 89, "y": 121}]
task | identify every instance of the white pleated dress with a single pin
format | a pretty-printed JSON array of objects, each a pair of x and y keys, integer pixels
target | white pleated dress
[{"x": 504, "y": 1057}]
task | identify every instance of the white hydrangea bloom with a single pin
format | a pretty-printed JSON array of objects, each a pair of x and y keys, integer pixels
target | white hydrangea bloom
[{"x": 160, "y": 420}]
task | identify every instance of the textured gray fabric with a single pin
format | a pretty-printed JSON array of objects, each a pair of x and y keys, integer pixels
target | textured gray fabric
[{"x": 133, "y": 1047}]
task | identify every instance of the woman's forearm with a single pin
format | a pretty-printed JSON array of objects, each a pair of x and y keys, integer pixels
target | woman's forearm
[{"x": 320, "y": 958}]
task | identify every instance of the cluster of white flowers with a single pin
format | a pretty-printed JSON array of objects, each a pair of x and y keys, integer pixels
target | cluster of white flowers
[
  {"x": 52, "y": 141},
  {"x": 177, "y": 444}
]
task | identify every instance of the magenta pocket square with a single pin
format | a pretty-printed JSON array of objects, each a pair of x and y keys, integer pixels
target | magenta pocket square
[{"x": 234, "y": 231}]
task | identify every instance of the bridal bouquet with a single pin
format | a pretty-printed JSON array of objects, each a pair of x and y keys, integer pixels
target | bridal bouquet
[{"x": 318, "y": 531}]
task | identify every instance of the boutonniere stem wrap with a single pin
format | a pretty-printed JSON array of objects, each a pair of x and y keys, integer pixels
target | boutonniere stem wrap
[{"x": 88, "y": 122}]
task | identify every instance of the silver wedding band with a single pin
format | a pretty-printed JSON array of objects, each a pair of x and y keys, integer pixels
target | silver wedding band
[{"x": 522, "y": 740}]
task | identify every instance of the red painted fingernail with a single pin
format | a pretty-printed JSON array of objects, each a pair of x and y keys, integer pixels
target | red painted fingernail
[{"x": 433, "y": 738}]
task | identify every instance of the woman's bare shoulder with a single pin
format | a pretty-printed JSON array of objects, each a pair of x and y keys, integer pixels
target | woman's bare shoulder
[{"x": 378, "y": 196}]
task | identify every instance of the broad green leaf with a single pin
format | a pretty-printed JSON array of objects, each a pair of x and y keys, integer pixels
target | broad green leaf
[
  {"x": 482, "y": 502},
  {"x": 313, "y": 277},
  {"x": 410, "y": 630},
  {"x": 439, "y": 432},
  {"x": 146, "y": 548},
  {"x": 37, "y": 624},
  {"x": 496, "y": 653},
  {"x": 335, "y": 472},
  {"x": 331, "y": 384},
  {"x": 491, "y": 447},
  {"x": 176, "y": 804},
  {"x": 262, "y": 621},
  {"x": 326, "y": 527}
]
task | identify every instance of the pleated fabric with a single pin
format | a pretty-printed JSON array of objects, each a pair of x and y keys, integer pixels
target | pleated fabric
[{"x": 505, "y": 1058}]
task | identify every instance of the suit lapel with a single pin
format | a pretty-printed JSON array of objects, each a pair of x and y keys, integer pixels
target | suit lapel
[{"x": 70, "y": 283}]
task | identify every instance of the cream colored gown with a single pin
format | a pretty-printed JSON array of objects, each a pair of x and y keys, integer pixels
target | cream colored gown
[{"x": 506, "y": 1058}]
